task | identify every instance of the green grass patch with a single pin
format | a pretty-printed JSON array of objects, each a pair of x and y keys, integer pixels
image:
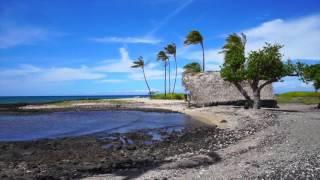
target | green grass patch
[
  {"x": 299, "y": 97},
  {"x": 171, "y": 96}
]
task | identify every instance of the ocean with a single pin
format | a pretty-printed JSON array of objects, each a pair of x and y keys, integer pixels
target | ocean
[{"x": 50, "y": 99}]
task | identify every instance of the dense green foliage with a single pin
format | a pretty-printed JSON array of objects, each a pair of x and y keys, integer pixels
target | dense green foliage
[
  {"x": 234, "y": 58},
  {"x": 195, "y": 37},
  {"x": 265, "y": 64},
  {"x": 260, "y": 68},
  {"x": 299, "y": 97},
  {"x": 172, "y": 96},
  {"x": 193, "y": 67},
  {"x": 311, "y": 73}
]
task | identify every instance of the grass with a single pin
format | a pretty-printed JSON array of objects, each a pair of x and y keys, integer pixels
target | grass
[
  {"x": 171, "y": 96},
  {"x": 299, "y": 97}
]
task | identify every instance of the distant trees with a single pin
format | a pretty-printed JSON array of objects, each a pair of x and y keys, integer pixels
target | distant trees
[
  {"x": 139, "y": 63},
  {"x": 260, "y": 68},
  {"x": 162, "y": 56},
  {"x": 195, "y": 37},
  {"x": 311, "y": 73}
]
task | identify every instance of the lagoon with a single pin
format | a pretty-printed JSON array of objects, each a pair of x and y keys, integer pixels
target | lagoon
[{"x": 22, "y": 127}]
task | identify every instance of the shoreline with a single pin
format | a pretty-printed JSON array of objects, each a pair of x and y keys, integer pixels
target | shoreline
[
  {"x": 89, "y": 155},
  {"x": 138, "y": 104},
  {"x": 248, "y": 138}
]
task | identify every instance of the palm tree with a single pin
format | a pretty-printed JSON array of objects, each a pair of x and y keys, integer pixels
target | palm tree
[
  {"x": 172, "y": 50},
  {"x": 139, "y": 63},
  {"x": 164, "y": 58},
  {"x": 195, "y": 37},
  {"x": 193, "y": 67},
  {"x": 169, "y": 73}
]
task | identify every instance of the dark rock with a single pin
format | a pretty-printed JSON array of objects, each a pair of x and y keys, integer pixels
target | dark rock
[{"x": 223, "y": 121}]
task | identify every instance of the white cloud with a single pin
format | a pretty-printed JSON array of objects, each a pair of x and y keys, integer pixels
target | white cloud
[
  {"x": 108, "y": 81},
  {"x": 96, "y": 73},
  {"x": 127, "y": 40},
  {"x": 213, "y": 57},
  {"x": 70, "y": 74},
  {"x": 122, "y": 65},
  {"x": 300, "y": 37},
  {"x": 151, "y": 71},
  {"x": 11, "y": 36},
  {"x": 37, "y": 74}
]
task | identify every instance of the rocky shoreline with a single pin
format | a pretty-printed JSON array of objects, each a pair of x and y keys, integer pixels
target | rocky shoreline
[
  {"x": 245, "y": 144},
  {"x": 125, "y": 154}
]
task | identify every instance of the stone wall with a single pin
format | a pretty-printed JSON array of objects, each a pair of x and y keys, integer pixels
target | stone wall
[{"x": 210, "y": 89}]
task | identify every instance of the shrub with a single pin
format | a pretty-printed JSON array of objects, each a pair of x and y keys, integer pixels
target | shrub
[{"x": 172, "y": 96}]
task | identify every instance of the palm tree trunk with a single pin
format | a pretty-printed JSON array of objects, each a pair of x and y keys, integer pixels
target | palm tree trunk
[
  {"x": 165, "y": 79},
  {"x": 169, "y": 77},
  {"x": 145, "y": 79},
  {"x": 175, "y": 79},
  {"x": 203, "y": 61}
]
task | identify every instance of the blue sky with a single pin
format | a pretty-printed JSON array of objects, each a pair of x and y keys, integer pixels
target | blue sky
[{"x": 86, "y": 47}]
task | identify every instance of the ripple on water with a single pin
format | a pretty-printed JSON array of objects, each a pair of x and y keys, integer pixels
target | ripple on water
[{"x": 21, "y": 127}]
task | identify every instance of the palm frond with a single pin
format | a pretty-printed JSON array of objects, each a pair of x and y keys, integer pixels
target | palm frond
[
  {"x": 194, "y": 37},
  {"x": 139, "y": 63}
]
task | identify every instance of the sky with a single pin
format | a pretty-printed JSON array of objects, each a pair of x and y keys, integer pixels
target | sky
[{"x": 79, "y": 47}]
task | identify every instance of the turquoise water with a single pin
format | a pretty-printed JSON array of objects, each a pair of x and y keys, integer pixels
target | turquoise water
[
  {"x": 18, "y": 127},
  {"x": 47, "y": 99}
]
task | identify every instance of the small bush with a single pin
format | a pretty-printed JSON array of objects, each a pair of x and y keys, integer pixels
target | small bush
[{"x": 172, "y": 96}]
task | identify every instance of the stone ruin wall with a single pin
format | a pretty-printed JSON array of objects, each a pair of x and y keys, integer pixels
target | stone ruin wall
[{"x": 210, "y": 89}]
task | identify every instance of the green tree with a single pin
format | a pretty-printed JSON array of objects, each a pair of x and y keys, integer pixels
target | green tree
[
  {"x": 193, "y": 67},
  {"x": 260, "y": 68},
  {"x": 164, "y": 58},
  {"x": 172, "y": 50},
  {"x": 139, "y": 63},
  {"x": 311, "y": 73},
  {"x": 265, "y": 64},
  {"x": 233, "y": 68},
  {"x": 195, "y": 37}
]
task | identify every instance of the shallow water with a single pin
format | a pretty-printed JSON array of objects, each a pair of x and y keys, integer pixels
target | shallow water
[
  {"x": 49, "y": 99},
  {"x": 20, "y": 127}
]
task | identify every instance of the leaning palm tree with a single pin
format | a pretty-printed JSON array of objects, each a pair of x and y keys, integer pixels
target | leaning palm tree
[
  {"x": 195, "y": 37},
  {"x": 171, "y": 50},
  {"x": 193, "y": 67},
  {"x": 139, "y": 63},
  {"x": 164, "y": 58}
]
